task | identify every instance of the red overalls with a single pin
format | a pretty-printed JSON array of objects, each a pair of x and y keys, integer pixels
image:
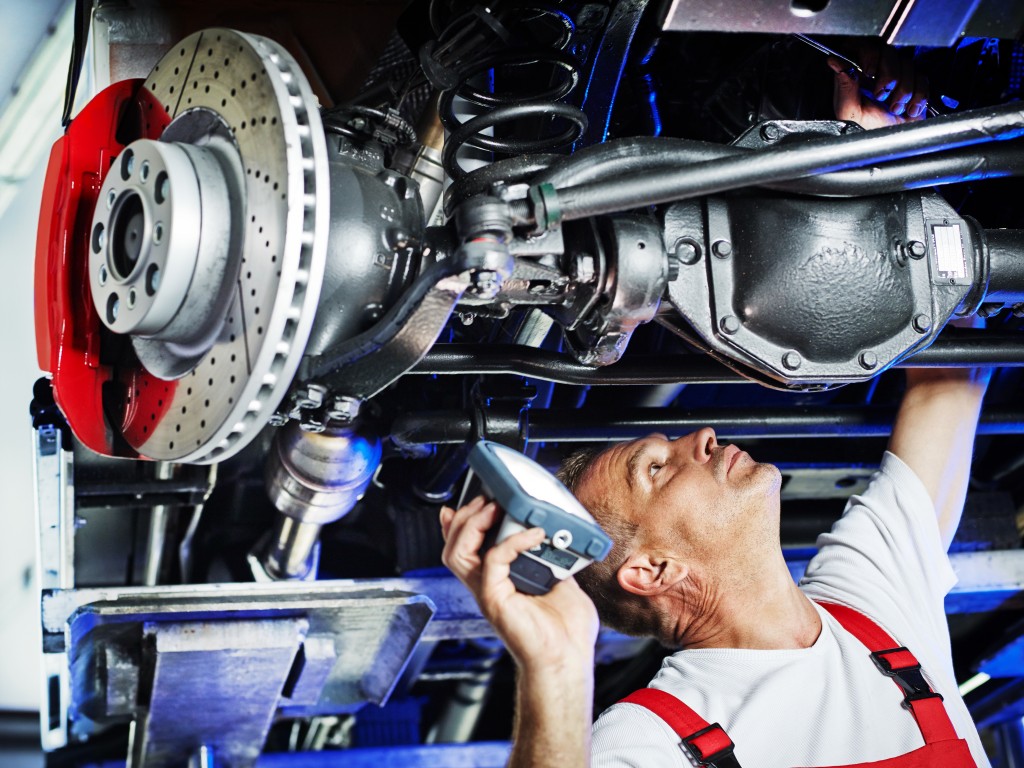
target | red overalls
[{"x": 711, "y": 747}]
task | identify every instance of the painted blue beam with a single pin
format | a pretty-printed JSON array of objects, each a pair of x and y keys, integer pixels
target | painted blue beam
[{"x": 485, "y": 754}]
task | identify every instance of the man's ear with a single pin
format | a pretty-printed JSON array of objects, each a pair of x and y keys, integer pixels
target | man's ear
[{"x": 648, "y": 575}]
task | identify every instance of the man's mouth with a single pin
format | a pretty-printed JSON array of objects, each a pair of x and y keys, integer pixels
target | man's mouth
[{"x": 730, "y": 455}]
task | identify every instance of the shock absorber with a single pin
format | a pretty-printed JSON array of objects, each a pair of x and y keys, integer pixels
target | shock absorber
[{"x": 538, "y": 61}]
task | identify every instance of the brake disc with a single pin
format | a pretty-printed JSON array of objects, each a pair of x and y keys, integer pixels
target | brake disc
[{"x": 207, "y": 246}]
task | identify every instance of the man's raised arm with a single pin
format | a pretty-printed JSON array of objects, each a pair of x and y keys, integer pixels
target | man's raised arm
[{"x": 934, "y": 435}]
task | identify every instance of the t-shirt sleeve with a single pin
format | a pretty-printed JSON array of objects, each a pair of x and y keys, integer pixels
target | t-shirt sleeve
[
  {"x": 885, "y": 556},
  {"x": 631, "y": 736}
]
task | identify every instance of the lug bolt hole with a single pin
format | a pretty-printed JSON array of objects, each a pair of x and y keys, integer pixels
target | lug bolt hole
[
  {"x": 158, "y": 232},
  {"x": 131, "y": 298},
  {"x": 99, "y": 238},
  {"x": 163, "y": 187},
  {"x": 111, "y": 197},
  {"x": 144, "y": 170},
  {"x": 103, "y": 274},
  {"x": 127, "y": 164},
  {"x": 152, "y": 279},
  {"x": 113, "y": 305}
]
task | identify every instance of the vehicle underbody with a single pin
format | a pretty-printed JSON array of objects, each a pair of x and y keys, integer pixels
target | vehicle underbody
[{"x": 411, "y": 227}]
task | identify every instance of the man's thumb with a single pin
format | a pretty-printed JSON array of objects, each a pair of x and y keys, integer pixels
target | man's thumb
[{"x": 846, "y": 96}]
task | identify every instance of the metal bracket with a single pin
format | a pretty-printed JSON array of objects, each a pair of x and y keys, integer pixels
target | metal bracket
[{"x": 55, "y": 563}]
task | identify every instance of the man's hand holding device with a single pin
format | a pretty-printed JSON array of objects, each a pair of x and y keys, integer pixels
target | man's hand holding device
[{"x": 538, "y": 535}]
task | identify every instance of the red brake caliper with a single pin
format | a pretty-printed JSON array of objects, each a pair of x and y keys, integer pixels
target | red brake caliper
[{"x": 99, "y": 396}]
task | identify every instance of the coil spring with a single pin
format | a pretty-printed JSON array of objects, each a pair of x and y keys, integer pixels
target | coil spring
[{"x": 503, "y": 108}]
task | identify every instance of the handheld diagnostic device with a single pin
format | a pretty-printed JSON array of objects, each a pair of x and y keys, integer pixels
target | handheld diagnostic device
[{"x": 534, "y": 498}]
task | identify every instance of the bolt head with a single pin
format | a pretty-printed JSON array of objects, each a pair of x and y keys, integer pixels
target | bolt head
[
  {"x": 791, "y": 360},
  {"x": 868, "y": 360},
  {"x": 770, "y": 132},
  {"x": 586, "y": 269},
  {"x": 922, "y": 323},
  {"x": 722, "y": 249},
  {"x": 916, "y": 249},
  {"x": 277, "y": 420},
  {"x": 729, "y": 324},
  {"x": 484, "y": 283},
  {"x": 686, "y": 251}
]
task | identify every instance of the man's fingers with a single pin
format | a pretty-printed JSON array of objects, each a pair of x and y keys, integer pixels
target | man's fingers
[
  {"x": 918, "y": 104},
  {"x": 465, "y": 537},
  {"x": 868, "y": 56},
  {"x": 904, "y": 89},
  {"x": 888, "y": 74},
  {"x": 458, "y": 518},
  {"x": 447, "y": 513},
  {"x": 500, "y": 557},
  {"x": 469, "y": 525}
]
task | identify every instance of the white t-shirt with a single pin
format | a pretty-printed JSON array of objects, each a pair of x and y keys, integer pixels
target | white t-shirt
[{"x": 827, "y": 705}]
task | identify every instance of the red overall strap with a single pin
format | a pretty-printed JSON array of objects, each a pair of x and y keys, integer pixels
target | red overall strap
[
  {"x": 709, "y": 744},
  {"x": 905, "y": 670}
]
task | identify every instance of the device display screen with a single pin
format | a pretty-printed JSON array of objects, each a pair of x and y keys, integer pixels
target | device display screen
[{"x": 558, "y": 557}]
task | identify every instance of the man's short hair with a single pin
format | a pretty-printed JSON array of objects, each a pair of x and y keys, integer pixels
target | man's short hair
[{"x": 618, "y": 609}]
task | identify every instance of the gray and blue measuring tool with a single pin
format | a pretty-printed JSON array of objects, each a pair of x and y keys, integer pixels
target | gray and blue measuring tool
[{"x": 532, "y": 497}]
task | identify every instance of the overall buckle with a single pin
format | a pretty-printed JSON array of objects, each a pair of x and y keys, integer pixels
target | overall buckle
[
  {"x": 901, "y": 665},
  {"x": 723, "y": 758}
]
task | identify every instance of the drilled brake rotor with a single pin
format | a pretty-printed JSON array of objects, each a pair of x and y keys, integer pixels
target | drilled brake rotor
[{"x": 232, "y": 93}]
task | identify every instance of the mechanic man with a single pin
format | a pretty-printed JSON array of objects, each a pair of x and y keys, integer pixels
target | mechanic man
[{"x": 791, "y": 674}]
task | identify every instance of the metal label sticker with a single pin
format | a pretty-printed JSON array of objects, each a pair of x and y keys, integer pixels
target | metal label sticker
[{"x": 949, "y": 260}]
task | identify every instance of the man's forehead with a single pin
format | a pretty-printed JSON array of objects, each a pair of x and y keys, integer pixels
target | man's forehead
[{"x": 609, "y": 466}]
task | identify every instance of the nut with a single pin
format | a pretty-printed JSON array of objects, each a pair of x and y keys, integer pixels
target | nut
[
  {"x": 310, "y": 396},
  {"x": 791, "y": 360},
  {"x": 344, "y": 409}
]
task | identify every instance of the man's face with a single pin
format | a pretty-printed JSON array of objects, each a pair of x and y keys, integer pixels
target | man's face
[{"x": 710, "y": 505}]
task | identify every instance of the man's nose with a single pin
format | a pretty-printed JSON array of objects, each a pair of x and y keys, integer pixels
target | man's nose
[{"x": 704, "y": 443}]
